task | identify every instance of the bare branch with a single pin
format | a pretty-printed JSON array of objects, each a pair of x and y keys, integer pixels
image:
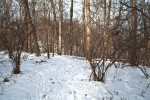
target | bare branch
[{"x": 137, "y": 10}]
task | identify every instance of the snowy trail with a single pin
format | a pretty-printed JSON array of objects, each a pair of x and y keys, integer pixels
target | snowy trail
[
  {"x": 63, "y": 78},
  {"x": 59, "y": 78},
  {"x": 67, "y": 78},
  {"x": 71, "y": 80}
]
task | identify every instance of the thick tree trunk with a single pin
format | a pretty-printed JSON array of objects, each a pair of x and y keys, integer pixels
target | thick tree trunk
[
  {"x": 16, "y": 69},
  {"x": 54, "y": 14},
  {"x": 27, "y": 12},
  {"x": 71, "y": 30},
  {"x": 146, "y": 54},
  {"x": 60, "y": 27},
  {"x": 88, "y": 30},
  {"x": 83, "y": 41},
  {"x": 46, "y": 30},
  {"x": 133, "y": 55}
]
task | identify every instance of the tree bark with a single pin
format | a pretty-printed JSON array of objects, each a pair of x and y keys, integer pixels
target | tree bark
[
  {"x": 105, "y": 34},
  {"x": 83, "y": 41},
  {"x": 146, "y": 54},
  {"x": 27, "y": 12},
  {"x": 71, "y": 15},
  {"x": 108, "y": 17},
  {"x": 60, "y": 27},
  {"x": 55, "y": 24},
  {"x": 133, "y": 58},
  {"x": 88, "y": 29},
  {"x": 46, "y": 30}
]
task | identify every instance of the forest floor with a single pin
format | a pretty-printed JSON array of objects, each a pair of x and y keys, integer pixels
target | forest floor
[{"x": 67, "y": 78}]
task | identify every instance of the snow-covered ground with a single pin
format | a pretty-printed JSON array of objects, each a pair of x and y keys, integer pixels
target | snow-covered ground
[{"x": 67, "y": 78}]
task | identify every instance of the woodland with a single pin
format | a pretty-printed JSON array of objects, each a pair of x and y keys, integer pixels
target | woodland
[{"x": 104, "y": 32}]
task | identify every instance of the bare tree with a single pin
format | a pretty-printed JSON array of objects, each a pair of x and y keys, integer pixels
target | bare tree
[
  {"x": 13, "y": 35},
  {"x": 71, "y": 26},
  {"x": 60, "y": 27},
  {"x": 83, "y": 40},
  {"x": 88, "y": 30},
  {"x": 55, "y": 22},
  {"x": 46, "y": 29},
  {"x": 133, "y": 53},
  {"x": 33, "y": 30}
]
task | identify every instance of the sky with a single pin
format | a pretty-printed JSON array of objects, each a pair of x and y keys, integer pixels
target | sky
[{"x": 77, "y": 8}]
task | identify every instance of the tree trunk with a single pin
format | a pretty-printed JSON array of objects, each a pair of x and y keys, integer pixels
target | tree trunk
[
  {"x": 108, "y": 17},
  {"x": 107, "y": 30},
  {"x": 133, "y": 55},
  {"x": 146, "y": 57},
  {"x": 88, "y": 30},
  {"x": 83, "y": 41},
  {"x": 27, "y": 12},
  {"x": 71, "y": 15},
  {"x": 104, "y": 34},
  {"x": 148, "y": 50},
  {"x": 54, "y": 14},
  {"x": 26, "y": 42},
  {"x": 60, "y": 27},
  {"x": 46, "y": 30},
  {"x": 30, "y": 41},
  {"x": 16, "y": 69}
]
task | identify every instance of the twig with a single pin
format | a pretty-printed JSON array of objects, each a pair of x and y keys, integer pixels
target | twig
[
  {"x": 136, "y": 9},
  {"x": 143, "y": 92}
]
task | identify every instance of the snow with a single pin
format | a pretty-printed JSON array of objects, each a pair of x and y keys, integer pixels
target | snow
[{"x": 67, "y": 78}]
